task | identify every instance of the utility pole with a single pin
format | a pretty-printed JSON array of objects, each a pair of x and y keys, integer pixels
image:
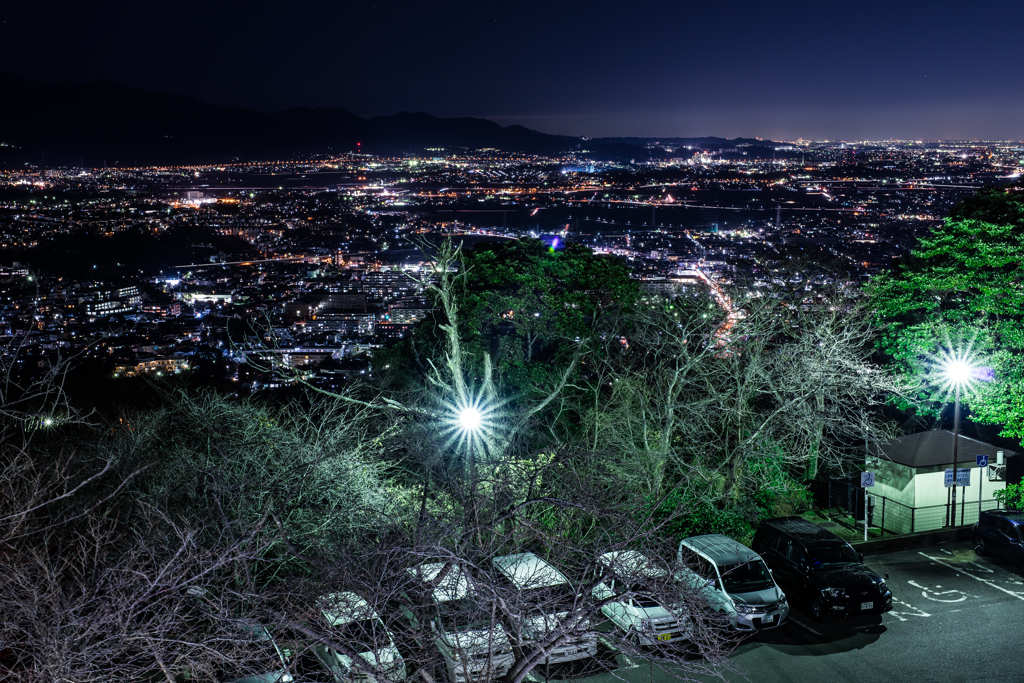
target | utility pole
[{"x": 956, "y": 439}]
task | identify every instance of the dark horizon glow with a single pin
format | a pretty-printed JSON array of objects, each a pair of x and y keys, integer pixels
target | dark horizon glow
[{"x": 866, "y": 70}]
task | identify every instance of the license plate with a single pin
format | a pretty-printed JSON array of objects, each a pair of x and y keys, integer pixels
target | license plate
[
  {"x": 665, "y": 636},
  {"x": 867, "y": 605},
  {"x": 768, "y": 619}
]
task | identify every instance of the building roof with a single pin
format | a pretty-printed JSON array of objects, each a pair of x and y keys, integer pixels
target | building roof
[{"x": 928, "y": 449}]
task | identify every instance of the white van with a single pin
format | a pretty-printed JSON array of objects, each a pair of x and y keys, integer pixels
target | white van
[
  {"x": 631, "y": 583},
  {"x": 354, "y": 622},
  {"x": 474, "y": 647},
  {"x": 550, "y": 597},
  {"x": 744, "y": 586}
]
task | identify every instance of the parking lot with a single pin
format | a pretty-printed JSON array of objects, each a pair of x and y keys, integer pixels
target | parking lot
[{"x": 956, "y": 617}]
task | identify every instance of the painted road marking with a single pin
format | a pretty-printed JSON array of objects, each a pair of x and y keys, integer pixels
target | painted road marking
[
  {"x": 976, "y": 578},
  {"x": 900, "y": 614},
  {"x": 804, "y": 626},
  {"x": 925, "y": 591}
]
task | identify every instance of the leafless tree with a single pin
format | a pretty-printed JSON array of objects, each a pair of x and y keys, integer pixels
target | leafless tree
[{"x": 722, "y": 401}]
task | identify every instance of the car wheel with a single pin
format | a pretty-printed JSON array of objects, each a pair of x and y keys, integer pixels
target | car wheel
[
  {"x": 817, "y": 609},
  {"x": 979, "y": 545}
]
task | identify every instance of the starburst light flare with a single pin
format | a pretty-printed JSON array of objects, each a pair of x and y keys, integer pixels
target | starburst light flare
[
  {"x": 469, "y": 418},
  {"x": 957, "y": 370},
  {"x": 473, "y": 425}
]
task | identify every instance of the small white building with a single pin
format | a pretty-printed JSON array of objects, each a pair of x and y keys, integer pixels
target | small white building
[{"x": 909, "y": 491}]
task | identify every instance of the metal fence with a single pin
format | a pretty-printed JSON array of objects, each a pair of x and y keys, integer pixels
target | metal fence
[{"x": 893, "y": 517}]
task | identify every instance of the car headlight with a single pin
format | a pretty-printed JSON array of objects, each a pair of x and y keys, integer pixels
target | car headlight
[
  {"x": 882, "y": 588},
  {"x": 835, "y": 592},
  {"x": 783, "y": 602},
  {"x": 645, "y": 625}
]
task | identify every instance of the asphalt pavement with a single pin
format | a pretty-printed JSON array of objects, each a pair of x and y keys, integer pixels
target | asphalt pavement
[{"x": 956, "y": 617}]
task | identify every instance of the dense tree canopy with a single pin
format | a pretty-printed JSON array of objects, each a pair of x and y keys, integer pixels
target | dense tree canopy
[
  {"x": 963, "y": 287},
  {"x": 525, "y": 302}
]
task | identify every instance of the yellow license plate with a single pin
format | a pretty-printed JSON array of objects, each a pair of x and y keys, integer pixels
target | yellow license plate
[{"x": 665, "y": 636}]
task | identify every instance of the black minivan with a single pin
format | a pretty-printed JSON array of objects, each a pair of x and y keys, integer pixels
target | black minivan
[{"x": 818, "y": 568}]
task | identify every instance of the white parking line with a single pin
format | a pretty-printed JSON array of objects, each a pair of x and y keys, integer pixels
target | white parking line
[
  {"x": 805, "y": 626},
  {"x": 902, "y": 615},
  {"x": 976, "y": 578}
]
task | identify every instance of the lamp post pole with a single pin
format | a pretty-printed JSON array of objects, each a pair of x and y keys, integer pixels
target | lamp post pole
[{"x": 956, "y": 440}]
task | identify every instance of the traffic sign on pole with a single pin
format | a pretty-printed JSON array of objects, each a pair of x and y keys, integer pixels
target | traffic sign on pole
[
  {"x": 982, "y": 461},
  {"x": 867, "y": 479},
  {"x": 963, "y": 477}
]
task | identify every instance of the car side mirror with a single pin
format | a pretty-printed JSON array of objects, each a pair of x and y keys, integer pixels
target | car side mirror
[
  {"x": 860, "y": 556},
  {"x": 887, "y": 576}
]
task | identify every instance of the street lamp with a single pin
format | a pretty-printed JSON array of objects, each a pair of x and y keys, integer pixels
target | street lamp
[
  {"x": 469, "y": 419},
  {"x": 957, "y": 371}
]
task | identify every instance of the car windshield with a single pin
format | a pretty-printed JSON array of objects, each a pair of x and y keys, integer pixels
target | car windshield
[
  {"x": 461, "y": 615},
  {"x": 831, "y": 554},
  {"x": 551, "y": 599},
  {"x": 745, "y": 578},
  {"x": 362, "y": 635},
  {"x": 642, "y": 595}
]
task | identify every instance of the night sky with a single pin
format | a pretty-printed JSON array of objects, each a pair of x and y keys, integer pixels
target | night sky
[{"x": 782, "y": 70}]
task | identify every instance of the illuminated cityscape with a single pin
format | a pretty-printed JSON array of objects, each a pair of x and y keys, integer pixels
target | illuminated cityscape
[
  {"x": 329, "y": 249},
  {"x": 534, "y": 342}
]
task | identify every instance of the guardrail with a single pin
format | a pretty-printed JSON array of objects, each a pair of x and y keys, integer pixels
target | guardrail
[{"x": 893, "y": 517}]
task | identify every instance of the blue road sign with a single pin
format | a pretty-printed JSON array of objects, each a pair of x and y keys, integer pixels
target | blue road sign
[
  {"x": 982, "y": 461},
  {"x": 867, "y": 479}
]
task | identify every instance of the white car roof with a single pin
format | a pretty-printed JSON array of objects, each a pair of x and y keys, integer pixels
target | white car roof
[
  {"x": 526, "y": 570},
  {"x": 722, "y": 549},
  {"x": 345, "y": 607},
  {"x": 631, "y": 564},
  {"x": 454, "y": 586}
]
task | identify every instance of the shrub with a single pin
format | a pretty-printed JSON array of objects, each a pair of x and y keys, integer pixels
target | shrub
[
  {"x": 686, "y": 516},
  {"x": 1012, "y": 497}
]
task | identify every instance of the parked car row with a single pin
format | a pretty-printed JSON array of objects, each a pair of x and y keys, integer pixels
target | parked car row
[
  {"x": 348, "y": 618},
  {"x": 749, "y": 588}
]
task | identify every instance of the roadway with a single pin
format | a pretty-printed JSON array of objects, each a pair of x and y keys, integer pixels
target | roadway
[{"x": 956, "y": 617}]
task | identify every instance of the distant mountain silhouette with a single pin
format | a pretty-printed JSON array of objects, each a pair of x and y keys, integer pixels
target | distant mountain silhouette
[
  {"x": 106, "y": 123},
  {"x": 696, "y": 143},
  {"x": 102, "y": 121}
]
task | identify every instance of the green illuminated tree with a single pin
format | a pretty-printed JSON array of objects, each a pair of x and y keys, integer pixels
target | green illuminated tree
[
  {"x": 963, "y": 286},
  {"x": 531, "y": 307}
]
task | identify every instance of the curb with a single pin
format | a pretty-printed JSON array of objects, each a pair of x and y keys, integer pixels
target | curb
[{"x": 921, "y": 539}]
